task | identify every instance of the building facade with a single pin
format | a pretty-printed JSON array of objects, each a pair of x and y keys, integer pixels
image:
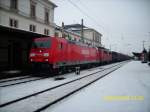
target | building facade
[
  {"x": 20, "y": 21},
  {"x": 29, "y": 15},
  {"x": 69, "y": 35},
  {"x": 91, "y": 36}
]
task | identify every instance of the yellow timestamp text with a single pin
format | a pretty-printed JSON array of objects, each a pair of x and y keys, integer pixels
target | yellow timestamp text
[{"x": 123, "y": 98}]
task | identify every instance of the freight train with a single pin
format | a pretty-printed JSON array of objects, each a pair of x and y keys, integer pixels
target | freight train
[{"x": 60, "y": 54}]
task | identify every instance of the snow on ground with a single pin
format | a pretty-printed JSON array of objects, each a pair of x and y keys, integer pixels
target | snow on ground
[
  {"x": 17, "y": 91},
  {"x": 124, "y": 90}
]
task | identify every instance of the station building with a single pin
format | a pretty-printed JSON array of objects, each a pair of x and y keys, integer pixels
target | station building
[
  {"x": 20, "y": 22},
  {"x": 91, "y": 36}
]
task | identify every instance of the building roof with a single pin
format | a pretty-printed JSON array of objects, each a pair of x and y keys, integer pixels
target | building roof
[
  {"x": 136, "y": 54},
  {"x": 67, "y": 31},
  {"x": 51, "y": 3},
  {"x": 91, "y": 29},
  {"x": 74, "y": 26},
  {"x": 77, "y": 27}
]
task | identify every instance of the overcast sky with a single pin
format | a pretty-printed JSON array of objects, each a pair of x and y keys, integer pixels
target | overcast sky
[{"x": 123, "y": 23}]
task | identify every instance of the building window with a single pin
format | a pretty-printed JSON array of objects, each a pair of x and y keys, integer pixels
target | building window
[
  {"x": 56, "y": 34},
  {"x": 46, "y": 16},
  {"x": 14, "y": 4},
  {"x": 13, "y": 23},
  {"x": 33, "y": 10},
  {"x": 46, "y": 31},
  {"x": 32, "y": 28}
]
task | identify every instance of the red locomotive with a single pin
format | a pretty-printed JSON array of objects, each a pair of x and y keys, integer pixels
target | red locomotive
[{"x": 59, "y": 53}]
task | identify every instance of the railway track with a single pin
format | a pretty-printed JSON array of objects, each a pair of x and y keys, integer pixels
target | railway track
[
  {"x": 25, "y": 79},
  {"x": 13, "y": 79},
  {"x": 41, "y": 100},
  {"x": 16, "y": 81}
]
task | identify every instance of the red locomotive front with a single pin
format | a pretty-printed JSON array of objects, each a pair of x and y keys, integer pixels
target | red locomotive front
[{"x": 40, "y": 51}]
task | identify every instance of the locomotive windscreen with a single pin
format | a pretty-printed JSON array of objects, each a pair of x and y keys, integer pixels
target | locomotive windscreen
[{"x": 41, "y": 43}]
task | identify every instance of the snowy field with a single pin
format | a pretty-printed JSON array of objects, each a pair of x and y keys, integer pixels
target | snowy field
[{"x": 124, "y": 90}]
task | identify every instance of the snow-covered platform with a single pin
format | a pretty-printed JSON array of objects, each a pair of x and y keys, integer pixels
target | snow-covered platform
[{"x": 124, "y": 90}]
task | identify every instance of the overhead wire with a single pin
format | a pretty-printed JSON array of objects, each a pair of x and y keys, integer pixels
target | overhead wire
[{"x": 84, "y": 13}]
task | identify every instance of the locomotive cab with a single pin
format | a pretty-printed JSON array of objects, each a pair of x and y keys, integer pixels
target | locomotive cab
[
  {"x": 40, "y": 50},
  {"x": 48, "y": 52}
]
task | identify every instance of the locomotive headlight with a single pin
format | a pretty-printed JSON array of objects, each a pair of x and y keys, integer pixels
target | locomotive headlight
[
  {"x": 46, "y": 54},
  {"x": 32, "y": 54},
  {"x": 46, "y": 59}
]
